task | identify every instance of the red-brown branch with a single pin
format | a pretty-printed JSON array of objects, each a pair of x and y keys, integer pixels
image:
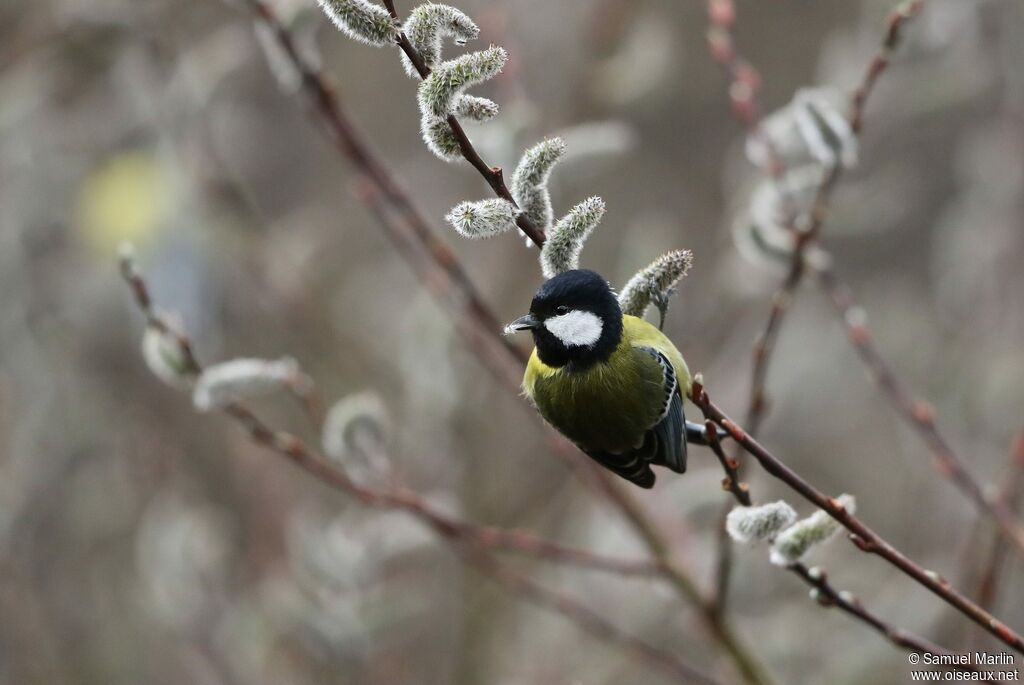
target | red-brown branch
[
  {"x": 827, "y": 595},
  {"x": 1010, "y": 496},
  {"x": 492, "y": 174},
  {"x": 866, "y": 539},
  {"x": 919, "y": 414}
]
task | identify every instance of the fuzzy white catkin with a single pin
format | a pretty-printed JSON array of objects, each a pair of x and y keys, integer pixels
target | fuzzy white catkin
[
  {"x": 530, "y": 181},
  {"x": 810, "y": 128},
  {"x": 658, "y": 277},
  {"x": 561, "y": 251},
  {"x": 438, "y": 92},
  {"x": 353, "y": 418},
  {"x": 166, "y": 357},
  {"x": 475, "y": 108},
  {"x": 437, "y": 134},
  {"x": 241, "y": 379},
  {"x": 438, "y": 137},
  {"x": 792, "y": 544},
  {"x": 750, "y": 524},
  {"x": 428, "y": 25},
  {"x": 788, "y": 200},
  {"x": 361, "y": 20},
  {"x": 482, "y": 218}
]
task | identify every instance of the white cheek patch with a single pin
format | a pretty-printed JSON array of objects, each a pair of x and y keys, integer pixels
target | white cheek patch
[{"x": 576, "y": 329}]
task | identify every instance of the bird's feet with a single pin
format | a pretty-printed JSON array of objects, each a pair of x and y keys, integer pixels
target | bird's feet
[{"x": 695, "y": 434}]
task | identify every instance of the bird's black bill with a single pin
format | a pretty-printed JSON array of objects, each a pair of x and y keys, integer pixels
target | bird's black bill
[{"x": 523, "y": 323}]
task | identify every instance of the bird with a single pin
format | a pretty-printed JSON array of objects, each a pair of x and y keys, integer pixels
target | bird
[{"x": 611, "y": 383}]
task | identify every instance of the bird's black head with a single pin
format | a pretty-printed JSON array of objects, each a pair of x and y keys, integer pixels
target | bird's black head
[{"x": 575, "y": 319}]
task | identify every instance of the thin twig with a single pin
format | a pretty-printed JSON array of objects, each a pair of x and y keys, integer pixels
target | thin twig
[
  {"x": 586, "y": 618},
  {"x": 919, "y": 414},
  {"x": 826, "y": 595},
  {"x": 492, "y": 174},
  {"x": 1009, "y": 496},
  {"x": 731, "y": 483},
  {"x": 862, "y": 536},
  {"x": 783, "y": 296}
]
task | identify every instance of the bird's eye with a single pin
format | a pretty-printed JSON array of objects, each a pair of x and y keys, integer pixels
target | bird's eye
[{"x": 561, "y": 309}]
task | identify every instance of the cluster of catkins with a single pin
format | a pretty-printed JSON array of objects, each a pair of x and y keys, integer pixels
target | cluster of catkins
[
  {"x": 442, "y": 94},
  {"x": 795, "y": 149},
  {"x": 776, "y": 524}
]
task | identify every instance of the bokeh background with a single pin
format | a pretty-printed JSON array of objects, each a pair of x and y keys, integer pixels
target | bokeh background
[{"x": 141, "y": 542}]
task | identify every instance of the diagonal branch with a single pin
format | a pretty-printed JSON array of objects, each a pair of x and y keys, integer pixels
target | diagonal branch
[
  {"x": 917, "y": 413},
  {"x": 1009, "y": 495},
  {"x": 492, "y": 174},
  {"x": 866, "y": 539},
  {"x": 822, "y": 590}
]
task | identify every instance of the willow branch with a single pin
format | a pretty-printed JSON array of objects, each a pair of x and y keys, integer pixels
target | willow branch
[
  {"x": 826, "y": 594},
  {"x": 919, "y": 414},
  {"x": 432, "y": 260},
  {"x": 586, "y": 619},
  {"x": 492, "y": 174},
  {"x": 866, "y": 539},
  {"x": 1009, "y": 496}
]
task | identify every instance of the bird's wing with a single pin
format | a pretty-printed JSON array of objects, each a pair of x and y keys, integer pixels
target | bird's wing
[
  {"x": 634, "y": 466},
  {"x": 670, "y": 443}
]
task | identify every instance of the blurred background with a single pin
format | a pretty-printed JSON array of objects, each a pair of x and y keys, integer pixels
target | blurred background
[{"x": 141, "y": 542}]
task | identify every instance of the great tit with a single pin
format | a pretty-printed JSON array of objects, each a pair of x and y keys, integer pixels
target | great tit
[{"x": 611, "y": 383}]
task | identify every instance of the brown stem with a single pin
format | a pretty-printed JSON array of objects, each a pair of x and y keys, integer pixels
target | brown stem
[
  {"x": 1009, "y": 496},
  {"x": 587, "y": 619},
  {"x": 919, "y": 414},
  {"x": 862, "y": 536},
  {"x": 492, "y": 174},
  {"x": 828, "y": 596}
]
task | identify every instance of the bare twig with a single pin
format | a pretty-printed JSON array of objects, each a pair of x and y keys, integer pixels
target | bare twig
[
  {"x": 1009, "y": 496},
  {"x": 731, "y": 483},
  {"x": 862, "y": 536},
  {"x": 586, "y": 619},
  {"x": 826, "y": 594},
  {"x": 919, "y": 414}
]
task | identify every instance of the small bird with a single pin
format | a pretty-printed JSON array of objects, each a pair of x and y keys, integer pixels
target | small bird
[{"x": 611, "y": 383}]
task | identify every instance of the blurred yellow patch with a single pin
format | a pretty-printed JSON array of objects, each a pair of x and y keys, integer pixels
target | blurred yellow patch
[{"x": 122, "y": 200}]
